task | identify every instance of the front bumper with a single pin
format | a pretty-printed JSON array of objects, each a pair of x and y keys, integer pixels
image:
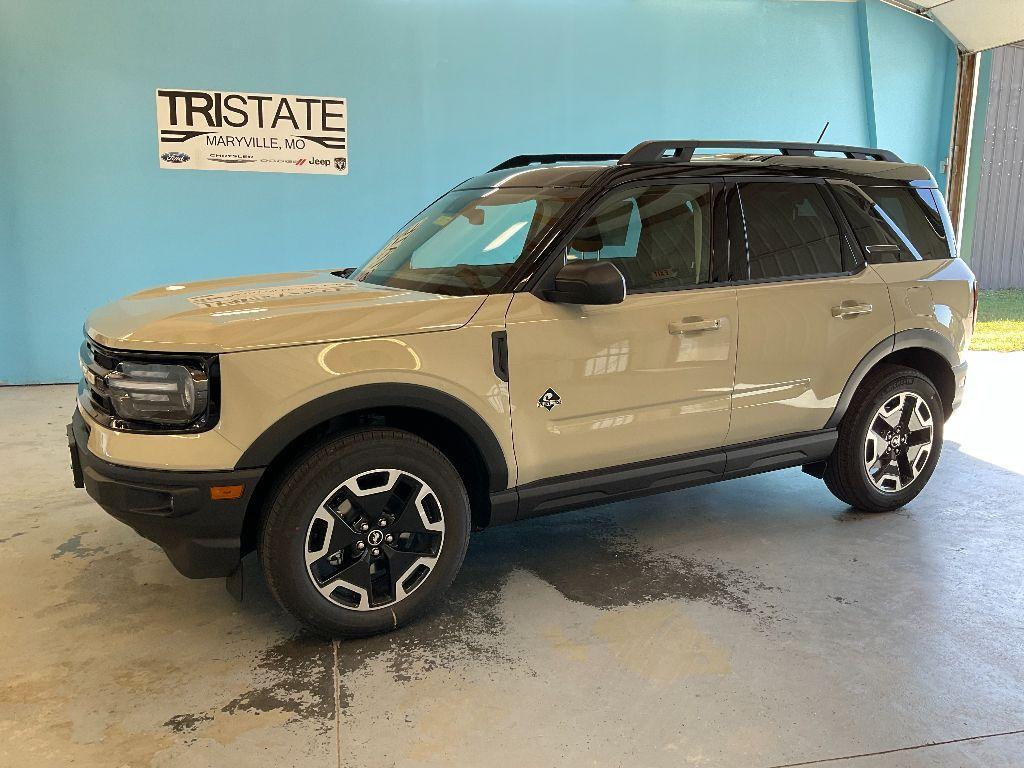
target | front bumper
[{"x": 201, "y": 536}]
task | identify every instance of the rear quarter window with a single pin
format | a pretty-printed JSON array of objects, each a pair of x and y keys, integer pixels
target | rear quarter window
[
  {"x": 918, "y": 214},
  {"x": 874, "y": 231}
]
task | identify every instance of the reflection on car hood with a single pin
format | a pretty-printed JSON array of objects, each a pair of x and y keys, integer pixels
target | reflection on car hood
[{"x": 262, "y": 311}]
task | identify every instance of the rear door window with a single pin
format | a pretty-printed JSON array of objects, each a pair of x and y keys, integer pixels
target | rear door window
[
  {"x": 917, "y": 214},
  {"x": 791, "y": 231}
]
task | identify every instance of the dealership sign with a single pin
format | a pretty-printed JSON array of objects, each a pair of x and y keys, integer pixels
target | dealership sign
[{"x": 225, "y": 130}]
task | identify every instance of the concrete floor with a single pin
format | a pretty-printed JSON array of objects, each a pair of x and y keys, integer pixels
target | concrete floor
[{"x": 753, "y": 623}]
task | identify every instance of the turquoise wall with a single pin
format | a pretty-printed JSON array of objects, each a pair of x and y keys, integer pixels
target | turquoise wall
[
  {"x": 910, "y": 75},
  {"x": 438, "y": 90}
]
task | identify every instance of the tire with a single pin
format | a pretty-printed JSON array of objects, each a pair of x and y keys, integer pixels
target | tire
[
  {"x": 328, "y": 558},
  {"x": 865, "y": 469}
]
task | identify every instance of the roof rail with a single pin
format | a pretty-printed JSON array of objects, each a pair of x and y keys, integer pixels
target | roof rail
[
  {"x": 520, "y": 160},
  {"x": 682, "y": 150}
]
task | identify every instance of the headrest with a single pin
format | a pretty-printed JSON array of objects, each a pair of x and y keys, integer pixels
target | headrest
[
  {"x": 609, "y": 228},
  {"x": 587, "y": 241},
  {"x": 614, "y": 223}
]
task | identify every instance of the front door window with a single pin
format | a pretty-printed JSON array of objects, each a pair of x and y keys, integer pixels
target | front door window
[{"x": 659, "y": 237}]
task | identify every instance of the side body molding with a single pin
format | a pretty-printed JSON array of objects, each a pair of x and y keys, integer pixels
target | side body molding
[
  {"x": 369, "y": 396},
  {"x": 909, "y": 339},
  {"x": 627, "y": 481}
]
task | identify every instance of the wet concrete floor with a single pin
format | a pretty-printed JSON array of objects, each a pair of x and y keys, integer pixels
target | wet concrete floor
[{"x": 757, "y": 623}]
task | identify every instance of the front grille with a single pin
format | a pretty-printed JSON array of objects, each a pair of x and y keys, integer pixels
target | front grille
[{"x": 96, "y": 363}]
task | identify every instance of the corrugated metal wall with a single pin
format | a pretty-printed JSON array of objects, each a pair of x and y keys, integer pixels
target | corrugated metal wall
[{"x": 997, "y": 256}]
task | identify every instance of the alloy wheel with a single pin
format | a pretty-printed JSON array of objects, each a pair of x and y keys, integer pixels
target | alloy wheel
[
  {"x": 374, "y": 539},
  {"x": 898, "y": 443}
]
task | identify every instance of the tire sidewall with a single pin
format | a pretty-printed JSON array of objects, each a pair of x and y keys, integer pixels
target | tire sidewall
[{"x": 310, "y": 482}]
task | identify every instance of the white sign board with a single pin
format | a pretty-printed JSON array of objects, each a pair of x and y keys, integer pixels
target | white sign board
[{"x": 224, "y": 130}]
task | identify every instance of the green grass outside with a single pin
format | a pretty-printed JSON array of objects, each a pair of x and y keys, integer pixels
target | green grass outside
[{"x": 1000, "y": 321}]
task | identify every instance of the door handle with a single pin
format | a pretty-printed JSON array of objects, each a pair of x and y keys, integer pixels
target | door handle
[
  {"x": 693, "y": 326},
  {"x": 883, "y": 248},
  {"x": 851, "y": 309}
]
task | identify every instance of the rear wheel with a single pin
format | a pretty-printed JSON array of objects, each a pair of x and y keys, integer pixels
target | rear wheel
[
  {"x": 889, "y": 441},
  {"x": 365, "y": 533}
]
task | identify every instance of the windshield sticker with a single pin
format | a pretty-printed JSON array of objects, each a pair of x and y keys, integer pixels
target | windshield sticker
[
  {"x": 390, "y": 247},
  {"x": 252, "y": 295},
  {"x": 228, "y": 131}
]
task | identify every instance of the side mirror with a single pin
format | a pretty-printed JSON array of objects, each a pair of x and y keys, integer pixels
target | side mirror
[{"x": 588, "y": 282}]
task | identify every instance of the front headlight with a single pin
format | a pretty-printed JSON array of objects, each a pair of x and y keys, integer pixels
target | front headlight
[
  {"x": 141, "y": 391},
  {"x": 158, "y": 393}
]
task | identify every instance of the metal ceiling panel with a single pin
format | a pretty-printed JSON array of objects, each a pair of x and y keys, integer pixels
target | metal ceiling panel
[
  {"x": 975, "y": 25},
  {"x": 981, "y": 24}
]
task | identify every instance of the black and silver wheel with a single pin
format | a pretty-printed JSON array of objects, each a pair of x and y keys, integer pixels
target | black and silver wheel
[
  {"x": 374, "y": 539},
  {"x": 898, "y": 442},
  {"x": 889, "y": 441},
  {"x": 365, "y": 532}
]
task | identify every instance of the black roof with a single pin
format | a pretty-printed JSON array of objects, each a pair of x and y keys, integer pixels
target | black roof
[{"x": 653, "y": 159}]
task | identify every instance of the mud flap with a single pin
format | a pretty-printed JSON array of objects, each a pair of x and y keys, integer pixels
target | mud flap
[{"x": 817, "y": 469}]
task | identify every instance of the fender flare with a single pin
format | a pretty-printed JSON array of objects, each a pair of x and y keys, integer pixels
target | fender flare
[
  {"x": 922, "y": 338},
  {"x": 281, "y": 433}
]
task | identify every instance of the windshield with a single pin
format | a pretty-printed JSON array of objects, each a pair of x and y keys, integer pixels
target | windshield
[{"x": 468, "y": 241}]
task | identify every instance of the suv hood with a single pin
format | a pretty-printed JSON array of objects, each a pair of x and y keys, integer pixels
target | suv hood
[{"x": 277, "y": 310}]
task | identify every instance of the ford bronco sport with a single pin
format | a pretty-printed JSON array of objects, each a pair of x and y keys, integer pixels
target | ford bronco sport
[{"x": 562, "y": 331}]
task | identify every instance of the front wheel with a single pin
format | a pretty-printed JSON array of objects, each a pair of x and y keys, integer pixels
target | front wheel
[
  {"x": 889, "y": 441},
  {"x": 365, "y": 533}
]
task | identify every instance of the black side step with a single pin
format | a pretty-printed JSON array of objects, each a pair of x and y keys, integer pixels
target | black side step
[{"x": 584, "y": 489}]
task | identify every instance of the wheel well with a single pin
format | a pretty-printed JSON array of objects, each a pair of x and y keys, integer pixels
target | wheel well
[
  {"x": 444, "y": 434},
  {"x": 931, "y": 364}
]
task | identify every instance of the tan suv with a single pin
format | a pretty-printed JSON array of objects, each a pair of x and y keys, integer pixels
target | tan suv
[{"x": 562, "y": 331}]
